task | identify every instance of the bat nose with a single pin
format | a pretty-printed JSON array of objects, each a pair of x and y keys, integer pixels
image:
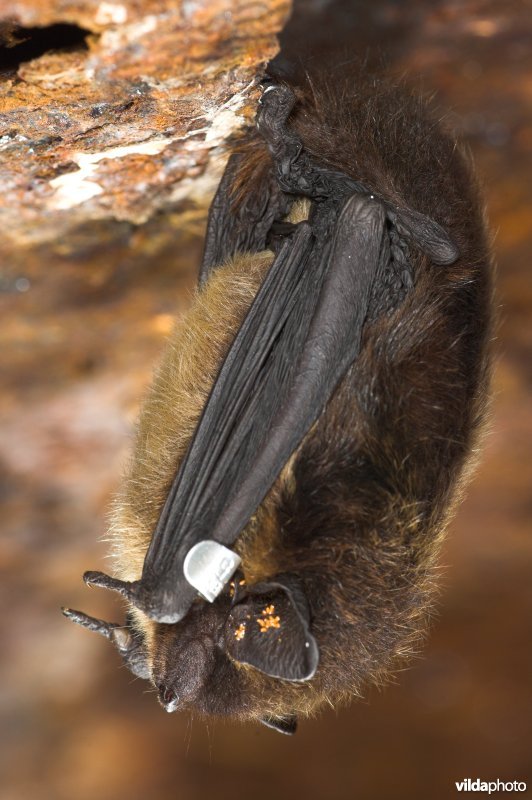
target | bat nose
[{"x": 168, "y": 697}]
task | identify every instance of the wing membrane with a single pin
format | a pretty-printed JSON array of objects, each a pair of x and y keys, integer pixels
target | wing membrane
[{"x": 298, "y": 339}]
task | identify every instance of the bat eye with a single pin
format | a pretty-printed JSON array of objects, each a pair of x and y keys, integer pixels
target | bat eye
[{"x": 169, "y": 699}]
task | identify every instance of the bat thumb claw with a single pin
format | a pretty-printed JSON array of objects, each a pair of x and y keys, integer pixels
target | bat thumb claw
[
  {"x": 91, "y": 623},
  {"x": 127, "y": 589}
]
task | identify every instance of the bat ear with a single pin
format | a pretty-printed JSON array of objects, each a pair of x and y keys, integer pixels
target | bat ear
[{"x": 269, "y": 630}]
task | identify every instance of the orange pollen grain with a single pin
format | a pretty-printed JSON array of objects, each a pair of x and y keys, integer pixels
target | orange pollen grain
[
  {"x": 268, "y": 622},
  {"x": 240, "y": 632}
]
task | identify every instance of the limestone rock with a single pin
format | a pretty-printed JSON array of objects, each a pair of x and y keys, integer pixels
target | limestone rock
[{"x": 132, "y": 114}]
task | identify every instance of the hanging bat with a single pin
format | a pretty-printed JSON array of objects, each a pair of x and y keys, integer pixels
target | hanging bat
[{"x": 311, "y": 426}]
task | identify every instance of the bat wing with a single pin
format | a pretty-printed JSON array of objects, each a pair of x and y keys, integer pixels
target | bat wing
[
  {"x": 300, "y": 335},
  {"x": 234, "y": 227}
]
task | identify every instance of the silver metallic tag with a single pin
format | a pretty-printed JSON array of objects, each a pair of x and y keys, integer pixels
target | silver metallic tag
[{"x": 208, "y": 566}]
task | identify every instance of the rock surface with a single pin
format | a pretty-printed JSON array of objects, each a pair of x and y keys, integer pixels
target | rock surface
[{"x": 128, "y": 113}]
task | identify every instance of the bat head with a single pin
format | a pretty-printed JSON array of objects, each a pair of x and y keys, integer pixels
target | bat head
[
  {"x": 188, "y": 662},
  {"x": 206, "y": 661}
]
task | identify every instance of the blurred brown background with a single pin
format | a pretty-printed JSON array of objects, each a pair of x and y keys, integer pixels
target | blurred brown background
[{"x": 79, "y": 339}]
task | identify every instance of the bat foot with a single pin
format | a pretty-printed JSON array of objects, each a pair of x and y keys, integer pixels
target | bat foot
[
  {"x": 279, "y": 99},
  {"x": 296, "y": 174},
  {"x": 276, "y": 104}
]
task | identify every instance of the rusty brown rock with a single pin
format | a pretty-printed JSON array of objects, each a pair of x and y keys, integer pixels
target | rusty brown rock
[{"x": 133, "y": 119}]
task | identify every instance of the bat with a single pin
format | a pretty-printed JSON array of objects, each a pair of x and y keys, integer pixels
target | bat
[{"x": 316, "y": 415}]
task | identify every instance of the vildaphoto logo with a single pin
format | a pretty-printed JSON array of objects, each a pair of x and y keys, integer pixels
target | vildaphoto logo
[{"x": 476, "y": 785}]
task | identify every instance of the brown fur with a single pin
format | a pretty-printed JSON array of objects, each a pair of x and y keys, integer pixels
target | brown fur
[{"x": 360, "y": 510}]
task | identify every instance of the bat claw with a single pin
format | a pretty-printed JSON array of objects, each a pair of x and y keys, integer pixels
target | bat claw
[
  {"x": 127, "y": 589},
  {"x": 265, "y": 91},
  {"x": 135, "y": 592},
  {"x": 122, "y": 636},
  {"x": 91, "y": 623}
]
